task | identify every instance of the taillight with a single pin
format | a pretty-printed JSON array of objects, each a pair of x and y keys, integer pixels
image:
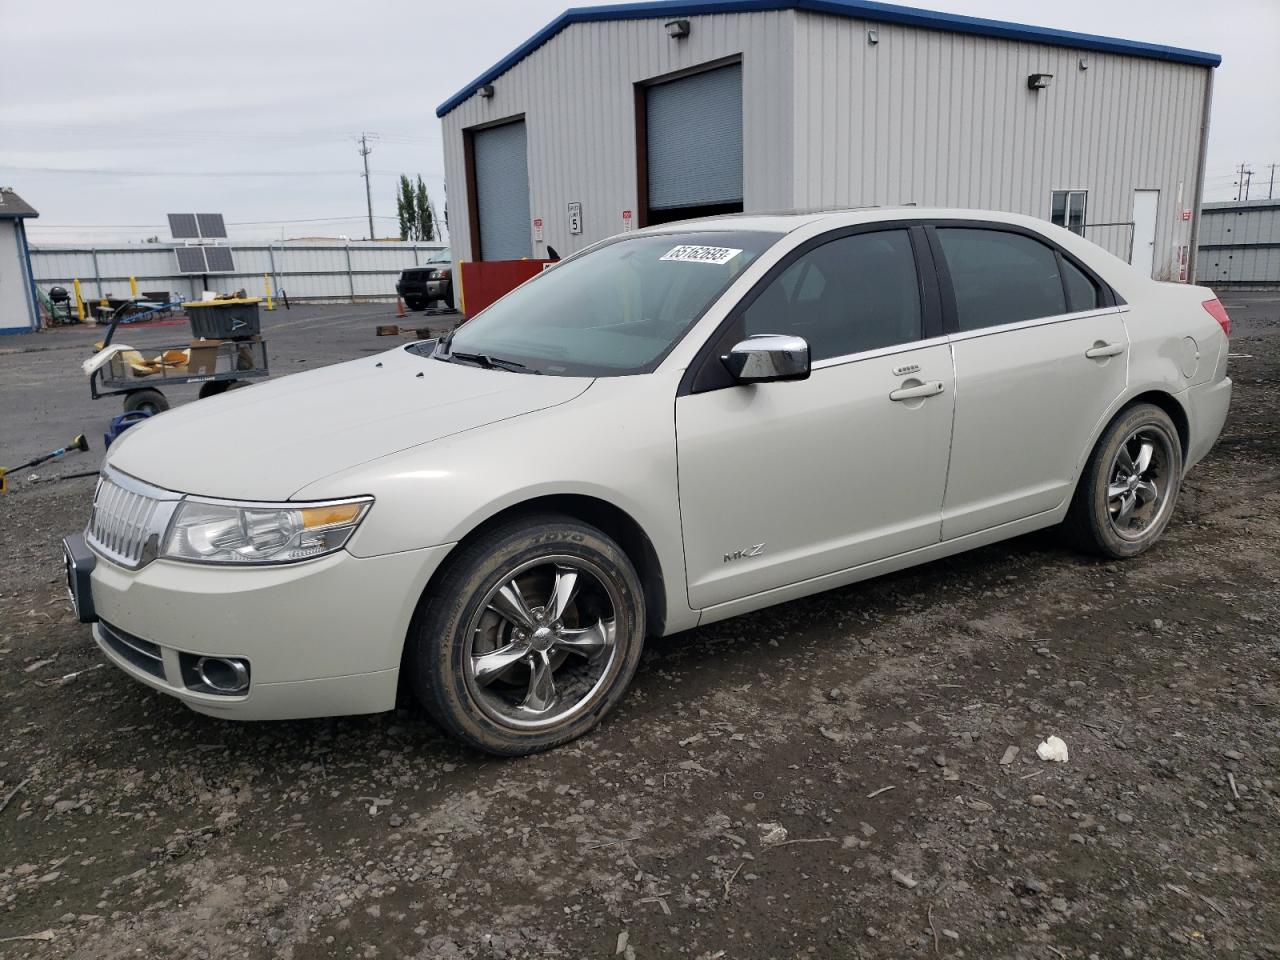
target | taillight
[{"x": 1216, "y": 310}]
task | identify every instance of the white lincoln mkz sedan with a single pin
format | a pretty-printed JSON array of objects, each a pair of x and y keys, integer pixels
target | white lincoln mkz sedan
[{"x": 677, "y": 425}]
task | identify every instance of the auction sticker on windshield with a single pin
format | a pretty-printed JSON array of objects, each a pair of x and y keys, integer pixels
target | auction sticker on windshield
[{"x": 695, "y": 253}]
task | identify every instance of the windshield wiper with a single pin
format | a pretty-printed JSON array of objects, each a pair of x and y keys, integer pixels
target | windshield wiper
[{"x": 488, "y": 362}]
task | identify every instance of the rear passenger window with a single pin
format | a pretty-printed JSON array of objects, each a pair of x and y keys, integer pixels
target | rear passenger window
[
  {"x": 1082, "y": 293},
  {"x": 1001, "y": 277},
  {"x": 849, "y": 295}
]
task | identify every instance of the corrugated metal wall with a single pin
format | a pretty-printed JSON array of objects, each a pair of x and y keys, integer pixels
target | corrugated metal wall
[
  {"x": 947, "y": 119},
  {"x": 306, "y": 271},
  {"x": 577, "y": 95},
  {"x": 1240, "y": 244},
  {"x": 15, "y": 305},
  {"x": 922, "y": 116}
]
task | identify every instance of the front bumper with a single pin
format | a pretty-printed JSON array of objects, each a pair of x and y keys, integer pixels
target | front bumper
[
  {"x": 428, "y": 290},
  {"x": 322, "y": 638}
]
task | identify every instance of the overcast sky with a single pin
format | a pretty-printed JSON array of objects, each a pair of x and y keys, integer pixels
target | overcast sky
[{"x": 114, "y": 114}]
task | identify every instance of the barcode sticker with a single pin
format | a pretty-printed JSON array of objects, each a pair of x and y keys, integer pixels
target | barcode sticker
[{"x": 693, "y": 253}]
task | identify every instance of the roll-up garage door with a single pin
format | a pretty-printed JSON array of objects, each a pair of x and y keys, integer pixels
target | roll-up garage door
[
  {"x": 694, "y": 131},
  {"x": 502, "y": 191}
]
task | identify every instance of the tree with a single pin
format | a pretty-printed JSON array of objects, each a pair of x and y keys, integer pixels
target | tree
[
  {"x": 422, "y": 212},
  {"x": 405, "y": 208},
  {"x": 415, "y": 211}
]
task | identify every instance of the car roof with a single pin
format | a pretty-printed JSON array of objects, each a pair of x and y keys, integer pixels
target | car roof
[{"x": 787, "y": 221}]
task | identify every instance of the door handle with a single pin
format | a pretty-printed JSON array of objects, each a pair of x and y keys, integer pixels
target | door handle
[
  {"x": 1103, "y": 350},
  {"x": 930, "y": 389}
]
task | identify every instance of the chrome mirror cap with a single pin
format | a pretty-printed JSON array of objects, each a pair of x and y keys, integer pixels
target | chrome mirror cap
[{"x": 767, "y": 357}]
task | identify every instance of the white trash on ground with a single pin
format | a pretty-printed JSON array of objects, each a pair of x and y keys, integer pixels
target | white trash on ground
[{"x": 1053, "y": 748}]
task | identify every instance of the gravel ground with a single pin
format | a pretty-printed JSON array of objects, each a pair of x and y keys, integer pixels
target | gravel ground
[{"x": 852, "y": 775}]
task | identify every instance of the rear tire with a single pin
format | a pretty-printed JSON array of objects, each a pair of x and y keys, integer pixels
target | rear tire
[
  {"x": 415, "y": 304},
  {"x": 530, "y": 636},
  {"x": 149, "y": 400},
  {"x": 1130, "y": 484}
]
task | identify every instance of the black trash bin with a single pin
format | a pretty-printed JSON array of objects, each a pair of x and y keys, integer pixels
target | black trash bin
[{"x": 224, "y": 319}]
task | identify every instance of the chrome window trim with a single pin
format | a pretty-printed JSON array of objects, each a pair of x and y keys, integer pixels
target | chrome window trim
[
  {"x": 878, "y": 352},
  {"x": 1028, "y": 324}
]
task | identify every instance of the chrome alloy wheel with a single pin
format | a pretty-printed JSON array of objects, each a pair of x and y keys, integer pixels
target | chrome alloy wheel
[
  {"x": 1139, "y": 482},
  {"x": 542, "y": 644}
]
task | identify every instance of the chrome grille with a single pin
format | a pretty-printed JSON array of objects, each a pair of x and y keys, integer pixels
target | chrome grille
[{"x": 129, "y": 518}]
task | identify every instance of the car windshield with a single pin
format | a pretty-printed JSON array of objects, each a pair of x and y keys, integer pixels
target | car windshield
[
  {"x": 440, "y": 256},
  {"x": 617, "y": 310}
]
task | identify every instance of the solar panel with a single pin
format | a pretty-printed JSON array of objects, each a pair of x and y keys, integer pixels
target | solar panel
[
  {"x": 211, "y": 225},
  {"x": 219, "y": 259},
  {"x": 183, "y": 226},
  {"x": 191, "y": 260}
]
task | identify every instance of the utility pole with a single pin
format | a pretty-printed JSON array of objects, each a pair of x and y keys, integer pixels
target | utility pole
[
  {"x": 365, "y": 150},
  {"x": 1242, "y": 185},
  {"x": 1272, "y": 185}
]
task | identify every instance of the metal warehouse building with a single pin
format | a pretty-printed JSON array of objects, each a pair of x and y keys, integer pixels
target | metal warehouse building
[
  {"x": 1240, "y": 245},
  {"x": 617, "y": 117}
]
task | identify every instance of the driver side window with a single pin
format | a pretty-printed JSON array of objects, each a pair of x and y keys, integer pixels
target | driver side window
[{"x": 846, "y": 296}]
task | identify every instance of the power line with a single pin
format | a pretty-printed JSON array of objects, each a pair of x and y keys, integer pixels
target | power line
[
  {"x": 230, "y": 223},
  {"x": 121, "y": 172},
  {"x": 126, "y": 133}
]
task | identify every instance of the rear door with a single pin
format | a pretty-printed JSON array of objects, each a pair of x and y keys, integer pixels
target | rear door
[
  {"x": 1040, "y": 352},
  {"x": 783, "y": 482}
]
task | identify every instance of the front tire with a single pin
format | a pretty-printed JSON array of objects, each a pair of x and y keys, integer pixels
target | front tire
[
  {"x": 530, "y": 637},
  {"x": 1130, "y": 485}
]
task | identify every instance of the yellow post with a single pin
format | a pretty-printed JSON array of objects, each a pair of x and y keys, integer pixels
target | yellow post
[
  {"x": 79, "y": 300},
  {"x": 266, "y": 285},
  {"x": 133, "y": 287},
  {"x": 459, "y": 296}
]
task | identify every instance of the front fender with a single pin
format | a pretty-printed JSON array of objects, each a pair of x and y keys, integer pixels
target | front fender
[{"x": 614, "y": 443}]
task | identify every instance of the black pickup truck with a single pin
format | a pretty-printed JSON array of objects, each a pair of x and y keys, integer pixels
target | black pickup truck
[{"x": 430, "y": 283}]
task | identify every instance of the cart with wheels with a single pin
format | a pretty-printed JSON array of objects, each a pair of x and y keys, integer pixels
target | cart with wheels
[{"x": 215, "y": 363}]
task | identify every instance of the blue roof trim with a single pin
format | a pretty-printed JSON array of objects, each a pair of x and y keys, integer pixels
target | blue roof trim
[{"x": 861, "y": 9}]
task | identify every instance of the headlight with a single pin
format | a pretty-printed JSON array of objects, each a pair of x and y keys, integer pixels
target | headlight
[
  {"x": 205, "y": 531},
  {"x": 440, "y": 274}
]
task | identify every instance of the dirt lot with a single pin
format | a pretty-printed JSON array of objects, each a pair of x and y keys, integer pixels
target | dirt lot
[{"x": 823, "y": 779}]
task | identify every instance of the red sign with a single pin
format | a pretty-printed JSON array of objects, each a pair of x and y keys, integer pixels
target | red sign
[{"x": 1186, "y": 214}]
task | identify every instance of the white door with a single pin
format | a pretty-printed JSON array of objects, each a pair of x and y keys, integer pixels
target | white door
[
  {"x": 1038, "y": 360},
  {"x": 783, "y": 482},
  {"x": 1145, "y": 204}
]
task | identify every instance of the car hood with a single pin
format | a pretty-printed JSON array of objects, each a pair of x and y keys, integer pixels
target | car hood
[{"x": 269, "y": 441}]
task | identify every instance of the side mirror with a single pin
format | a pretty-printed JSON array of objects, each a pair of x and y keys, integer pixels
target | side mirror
[{"x": 767, "y": 357}]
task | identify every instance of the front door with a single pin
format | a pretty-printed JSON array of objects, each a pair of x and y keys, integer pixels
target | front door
[
  {"x": 1039, "y": 358},
  {"x": 783, "y": 482},
  {"x": 1145, "y": 204}
]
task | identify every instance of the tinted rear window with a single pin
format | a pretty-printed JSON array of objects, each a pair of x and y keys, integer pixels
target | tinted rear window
[{"x": 1001, "y": 277}]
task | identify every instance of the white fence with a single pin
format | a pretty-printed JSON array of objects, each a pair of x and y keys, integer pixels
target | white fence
[{"x": 344, "y": 272}]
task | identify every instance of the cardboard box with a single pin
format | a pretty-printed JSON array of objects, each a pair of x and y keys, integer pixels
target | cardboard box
[{"x": 207, "y": 358}]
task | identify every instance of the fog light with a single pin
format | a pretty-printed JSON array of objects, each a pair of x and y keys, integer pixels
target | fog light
[{"x": 227, "y": 676}]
